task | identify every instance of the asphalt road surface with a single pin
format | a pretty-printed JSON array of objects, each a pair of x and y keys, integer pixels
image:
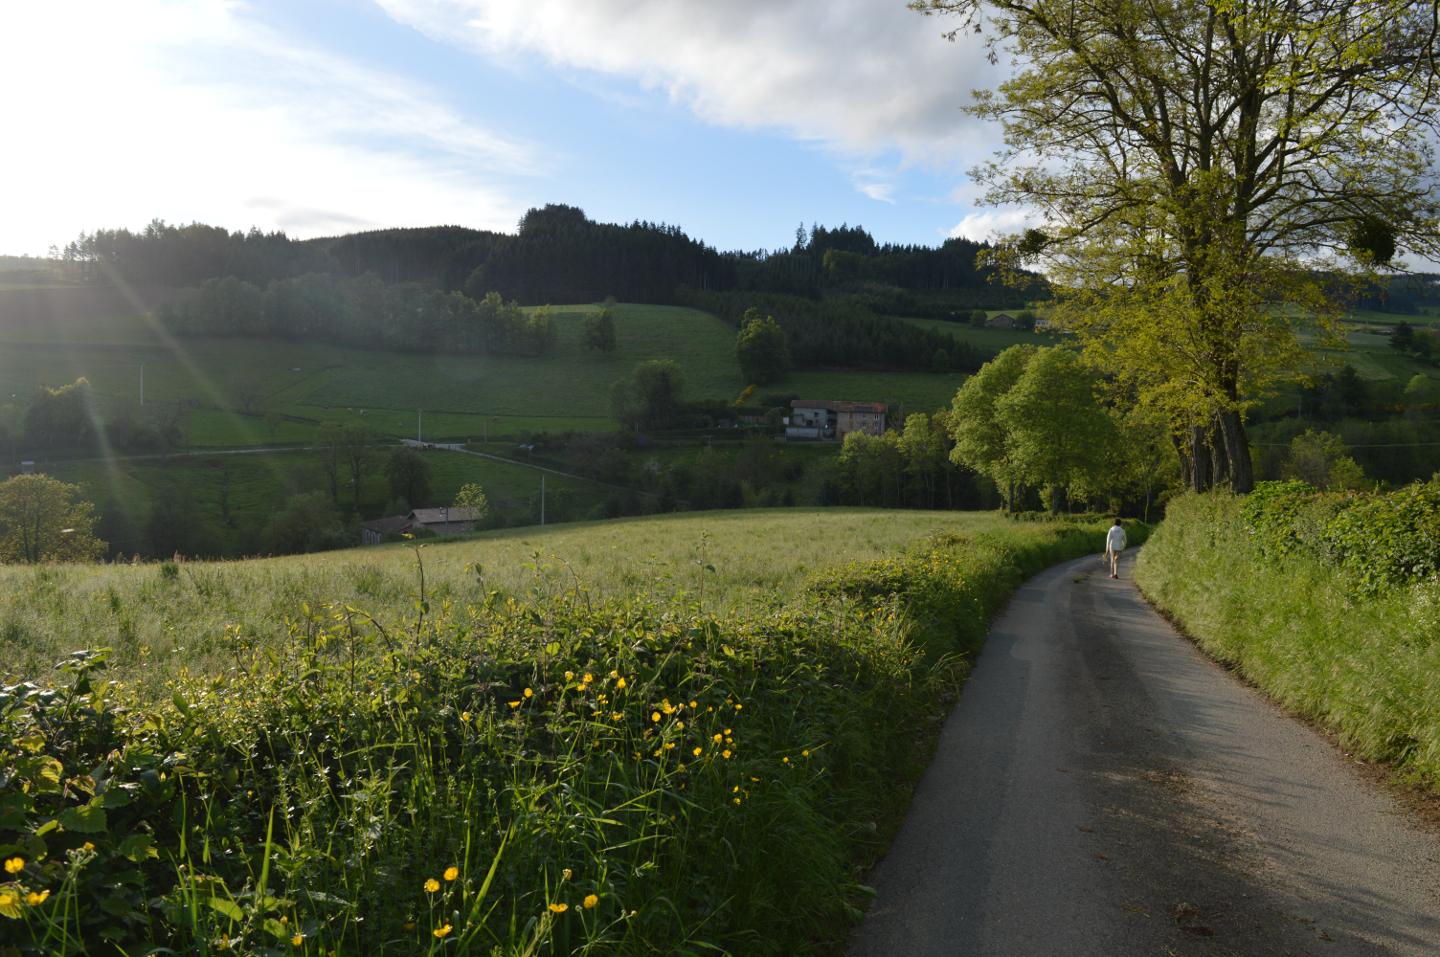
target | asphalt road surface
[{"x": 1103, "y": 788}]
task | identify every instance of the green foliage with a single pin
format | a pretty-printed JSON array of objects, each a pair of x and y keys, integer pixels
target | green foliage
[
  {"x": 554, "y": 773},
  {"x": 472, "y": 496},
  {"x": 408, "y": 473},
  {"x": 761, "y": 349},
  {"x": 1174, "y": 232},
  {"x": 1360, "y": 662},
  {"x": 1320, "y": 459},
  {"x": 650, "y": 398},
  {"x": 1381, "y": 540},
  {"x": 599, "y": 330},
  {"x": 45, "y": 520},
  {"x": 308, "y": 522}
]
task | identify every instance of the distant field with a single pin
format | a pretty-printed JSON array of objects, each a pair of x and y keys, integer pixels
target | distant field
[
  {"x": 53, "y": 336},
  {"x": 161, "y": 625},
  {"x": 991, "y": 340},
  {"x": 258, "y": 485}
]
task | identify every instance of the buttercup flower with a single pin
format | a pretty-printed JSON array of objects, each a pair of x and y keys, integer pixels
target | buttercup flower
[
  {"x": 451, "y": 873},
  {"x": 14, "y": 865},
  {"x": 442, "y": 931},
  {"x": 432, "y": 885},
  {"x": 590, "y": 901},
  {"x": 559, "y": 908}
]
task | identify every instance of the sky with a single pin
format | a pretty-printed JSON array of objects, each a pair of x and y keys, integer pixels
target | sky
[{"x": 736, "y": 120}]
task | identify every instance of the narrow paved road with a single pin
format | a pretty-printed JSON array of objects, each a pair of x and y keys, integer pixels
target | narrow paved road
[{"x": 1104, "y": 789}]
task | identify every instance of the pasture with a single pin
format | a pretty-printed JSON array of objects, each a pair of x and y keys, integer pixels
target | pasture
[
  {"x": 205, "y": 613},
  {"x": 247, "y": 392}
]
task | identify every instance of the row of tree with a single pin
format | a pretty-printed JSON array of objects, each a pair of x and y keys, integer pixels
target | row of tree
[
  {"x": 362, "y": 312},
  {"x": 841, "y": 332}
]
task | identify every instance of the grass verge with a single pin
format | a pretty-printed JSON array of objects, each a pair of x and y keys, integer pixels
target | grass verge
[
  {"x": 1361, "y": 665},
  {"x": 535, "y": 773}
]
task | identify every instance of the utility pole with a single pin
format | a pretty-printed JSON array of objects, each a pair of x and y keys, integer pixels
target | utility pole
[
  {"x": 419, "y": 425},
  {"x": 542, "y": 499}
]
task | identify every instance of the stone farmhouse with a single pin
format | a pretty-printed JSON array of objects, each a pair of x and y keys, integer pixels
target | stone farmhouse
[{"x": 831, "y": 419}]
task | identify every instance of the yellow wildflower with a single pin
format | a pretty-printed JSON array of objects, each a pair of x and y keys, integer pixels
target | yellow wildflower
[
  {"x": 14, "y": 865},
  {"x": 513, "y": 704},
  {"x": 786, "y": 759},
  {"x": 738, "y": 706},
  {"x": 655, "y": 716},
  {"x": 718, "y": 737},
  {"x": 451, "y": 873},
  {"x": 587, "y": 678},
  {"x": 442, "y": 931},
  {"x": 465, "y": 716},
  {"x": 297, "y": 940},
  {"x": 725, "y": 754},
  {"x": 35, "y": 899},
  {"x": 432, "y": 885},
  {"x": 559, "y": 908},
  {"x": 805, "y": 753},
  {"x": 694, "y": 705},
  {"x": 590, "y": 901},
  {"x": 696, "y": 752},
  {"x": 87, "y": 846},
  {"x": 567, "y": 873},
  {"x": 409, "y": 925},
  {"x": 10, "y": 905},
  {"x": 620, "y": 683},
  {"x": 569, "y": 676},
  {"x": 529, "y": 692},
  {"x": 616, "y": 716}
]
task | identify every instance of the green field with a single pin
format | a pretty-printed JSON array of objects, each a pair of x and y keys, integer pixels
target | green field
[
  {"x": 759, "y": 557},
  {"x": 258, "y": 484},
  {"x": 228, "y": 386}
]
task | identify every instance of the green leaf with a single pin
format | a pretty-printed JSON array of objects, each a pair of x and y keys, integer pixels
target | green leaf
[
  {"x": 89, "y": 819},
  {"x": 137, "y": 847},
  {"x": 180, "y": 703},
  {"x": 227, "y": 907}
]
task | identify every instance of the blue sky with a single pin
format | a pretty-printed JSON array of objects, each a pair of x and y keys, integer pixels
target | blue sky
[{"x": 735, "y": 120}]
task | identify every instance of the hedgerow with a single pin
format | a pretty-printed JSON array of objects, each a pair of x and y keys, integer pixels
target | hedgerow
[
  {"x": 1325, "y": 602},
  {"x": 1382, "y": 539},
  {"x": 513, "y": 776}
]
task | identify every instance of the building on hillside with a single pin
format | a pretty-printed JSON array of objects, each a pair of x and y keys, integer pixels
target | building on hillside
[
  {"x": 373, "y": 533},
  {"x": 831, "y": 419},
  {"x": 1002, "y": 320},
  {"x": 437, "y": 521}
]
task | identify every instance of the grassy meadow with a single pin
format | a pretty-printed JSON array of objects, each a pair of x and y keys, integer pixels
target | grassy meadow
[
  {"x": 158, "y": 624},
  {"x": 681, "y": 735},
  {"x": 228, "y": 387}
]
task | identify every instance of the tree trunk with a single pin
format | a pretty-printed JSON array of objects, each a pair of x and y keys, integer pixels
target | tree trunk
[
  {"x": 1237, "y": 449},
  {"x": 1200, "y": 467}
]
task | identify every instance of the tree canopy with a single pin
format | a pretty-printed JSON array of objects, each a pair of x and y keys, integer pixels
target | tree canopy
[
  {"x": 1206, "y": 171},
  {"x": 45, "y": 520},
  {"x": 762, "y": 349}
]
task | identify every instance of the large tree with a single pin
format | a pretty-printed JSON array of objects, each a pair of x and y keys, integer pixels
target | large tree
[
  {"x": 1206, "y": 171},
  {"x": 45, "y": 520}
]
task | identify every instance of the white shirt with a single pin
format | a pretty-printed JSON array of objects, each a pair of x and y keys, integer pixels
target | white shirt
[{"x": 1115, "y": 539}]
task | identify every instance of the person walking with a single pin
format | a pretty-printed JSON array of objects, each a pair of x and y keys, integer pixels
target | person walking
[{"x": 1114, "y": 545}]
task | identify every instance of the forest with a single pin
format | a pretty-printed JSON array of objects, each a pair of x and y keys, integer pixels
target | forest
[{"x": 835, "y": 291}]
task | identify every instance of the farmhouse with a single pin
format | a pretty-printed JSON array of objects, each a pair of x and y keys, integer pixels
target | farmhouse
[
  {"x": 437, "y": 521},
  {"x": 1002, "y": 320},
  {"x": 830, "y": 419}
]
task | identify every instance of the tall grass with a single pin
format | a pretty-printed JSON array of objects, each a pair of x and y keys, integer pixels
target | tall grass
[
  {"x": 556, "y": 772},
  {"x": 1362, "y": 663}
]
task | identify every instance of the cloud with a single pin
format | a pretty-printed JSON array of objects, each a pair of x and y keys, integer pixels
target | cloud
[
  {"x": 989, "y": 225},
  {"x": 880, "y": 192},
  {"x": 198, "y": 111},
  {"x": 854, "y": 75}
]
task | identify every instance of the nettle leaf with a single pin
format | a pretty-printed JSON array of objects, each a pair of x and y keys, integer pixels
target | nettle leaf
[
  {"x": 88, "y": 819},
  {"x": 46, "y": 772},
  {"x": 226, "y": 907},
  {"x": 137, "y": 847}
]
